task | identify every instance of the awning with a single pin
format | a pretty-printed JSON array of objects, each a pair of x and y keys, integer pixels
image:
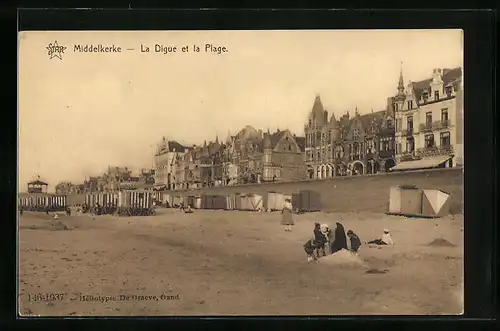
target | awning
[{"x": 430, "y": 162}]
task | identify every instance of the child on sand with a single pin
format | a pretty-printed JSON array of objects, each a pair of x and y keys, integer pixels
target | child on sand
[{"x": 355, "y": 241}]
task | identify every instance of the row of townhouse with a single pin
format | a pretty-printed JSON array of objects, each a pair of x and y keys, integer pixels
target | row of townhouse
[{"x": 420, "y": 127}]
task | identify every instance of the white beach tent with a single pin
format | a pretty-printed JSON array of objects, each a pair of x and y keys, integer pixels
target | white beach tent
[
  {"x": 435, "y": 203},
  {"x": 251, "y": 202},
  {"x": 413, "y": 201},
  {"x": 275, "y": 201},
  {"x": 405, "y": 200}
]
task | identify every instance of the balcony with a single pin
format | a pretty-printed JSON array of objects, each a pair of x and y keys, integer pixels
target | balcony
[
  {"x": 426, "y": 127},
  {"x": 443, "y": 124},
  {"x": 435, "y": 151},
  {"x": 408, "y": 132},
  {"x": 436, "y": 125}
]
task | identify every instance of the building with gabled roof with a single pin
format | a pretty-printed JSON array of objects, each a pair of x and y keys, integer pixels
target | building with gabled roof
[{"x": 283, "y": 157}]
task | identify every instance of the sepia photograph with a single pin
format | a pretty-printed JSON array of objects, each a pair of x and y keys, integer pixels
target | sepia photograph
[{"x": 240, "y": 173}]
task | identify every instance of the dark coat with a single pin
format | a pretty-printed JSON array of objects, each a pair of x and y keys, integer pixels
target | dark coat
[
  {"x": 319, "y": 238},
  {"x": 355, "y": 242},
  {"x": 340, "y": 241}
]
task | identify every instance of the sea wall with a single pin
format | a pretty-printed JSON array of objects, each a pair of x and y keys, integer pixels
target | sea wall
[{"x": 356, "y": 193}]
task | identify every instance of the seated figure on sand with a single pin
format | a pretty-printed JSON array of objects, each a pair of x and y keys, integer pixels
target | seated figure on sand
[
  {"x": 386, "y": 239},
  {"x": 188, "y": 209},
  {"x": 355, "y": 241}
]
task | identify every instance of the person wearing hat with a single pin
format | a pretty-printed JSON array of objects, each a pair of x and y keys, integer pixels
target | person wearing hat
[
  {"x": 286, "y": 215},
  {"x": 386, "y": 239},
  {"x": 327, "y": 232}
]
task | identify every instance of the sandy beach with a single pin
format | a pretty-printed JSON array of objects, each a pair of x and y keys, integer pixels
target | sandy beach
[{"x": 233, "y": 263}]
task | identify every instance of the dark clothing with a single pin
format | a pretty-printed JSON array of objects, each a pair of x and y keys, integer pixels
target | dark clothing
[
  {"x": 355, "y": 242},
  {"x": 340, "y": 241},
  {"x": 377, "y": 242},
  {"x": 309, "y": 247},
  {"x": 319, "y": 238}
]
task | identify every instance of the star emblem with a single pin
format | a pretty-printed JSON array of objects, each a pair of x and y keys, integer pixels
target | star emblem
[{"x": 54, "y": 50}]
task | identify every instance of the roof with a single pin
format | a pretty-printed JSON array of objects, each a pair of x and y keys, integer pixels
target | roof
[
  {"x": 276, "y": 137},
  {"x": 214, "y": 148},
  {"x": 37, "y": 182},
  {"x": 449, "y": 76},
  {"x": 318, "y": 110},
  {"x": 172, "y": 144},
  {"x": 367, "y": 119},
  {"x": 247, "y": 132},
  {"x": 301, "y": 141}
]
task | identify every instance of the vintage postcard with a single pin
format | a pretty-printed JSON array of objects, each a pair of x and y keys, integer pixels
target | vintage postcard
[{"x": 211, "y": 173}]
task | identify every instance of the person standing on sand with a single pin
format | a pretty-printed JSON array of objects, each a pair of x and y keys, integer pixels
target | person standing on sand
[
  {"x": 286, "y": 215},
  {"x": 319, "y": 239},
  {"x": 340, "y": 240},
  {"x": 21, "y": 210},
  {"x": 327, "y": 232}
]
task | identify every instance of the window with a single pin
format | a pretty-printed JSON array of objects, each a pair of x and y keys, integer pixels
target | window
[
  {"x": 410, "y": 123},
  {"x": 445, "y": 139},
  {"x": 389, "y": 123},
  {"x": 436, "y": 95},
  {"x": 310, "y": 122},
  {"x": 400, "y": 126},
  {"x": 425, "y": 96},
  {"x": 410, "y": 104},
  {"x": 428, "y": 118},
  {"x": 289, "y": 147},
  {"x": 444, "y": 114},
  {"x": 410, "y": 145},
  {"x": 447, "y": 90},
  {"x": 356, "y": 134},
  {"x": 429, "y": 141},
  {"x": 396, "y": 107}
]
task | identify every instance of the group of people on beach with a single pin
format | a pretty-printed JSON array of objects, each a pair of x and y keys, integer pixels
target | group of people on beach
[{"x": 326, "y": 242}]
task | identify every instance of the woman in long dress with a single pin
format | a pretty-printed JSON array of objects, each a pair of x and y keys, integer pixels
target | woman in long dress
[
  {"x": 286, "y": 215},
  {"x": 340, "y": 241}
]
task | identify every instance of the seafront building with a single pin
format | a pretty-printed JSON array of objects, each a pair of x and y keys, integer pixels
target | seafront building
[{"x": 429, "y": 121}]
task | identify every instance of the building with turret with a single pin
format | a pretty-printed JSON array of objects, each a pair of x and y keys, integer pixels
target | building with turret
[
  {"x": 429, "y": 121},
  {"x": 361, "y": 144}
]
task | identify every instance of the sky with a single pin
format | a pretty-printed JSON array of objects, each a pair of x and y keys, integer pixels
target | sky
[{"x": 87, "y": 111}]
